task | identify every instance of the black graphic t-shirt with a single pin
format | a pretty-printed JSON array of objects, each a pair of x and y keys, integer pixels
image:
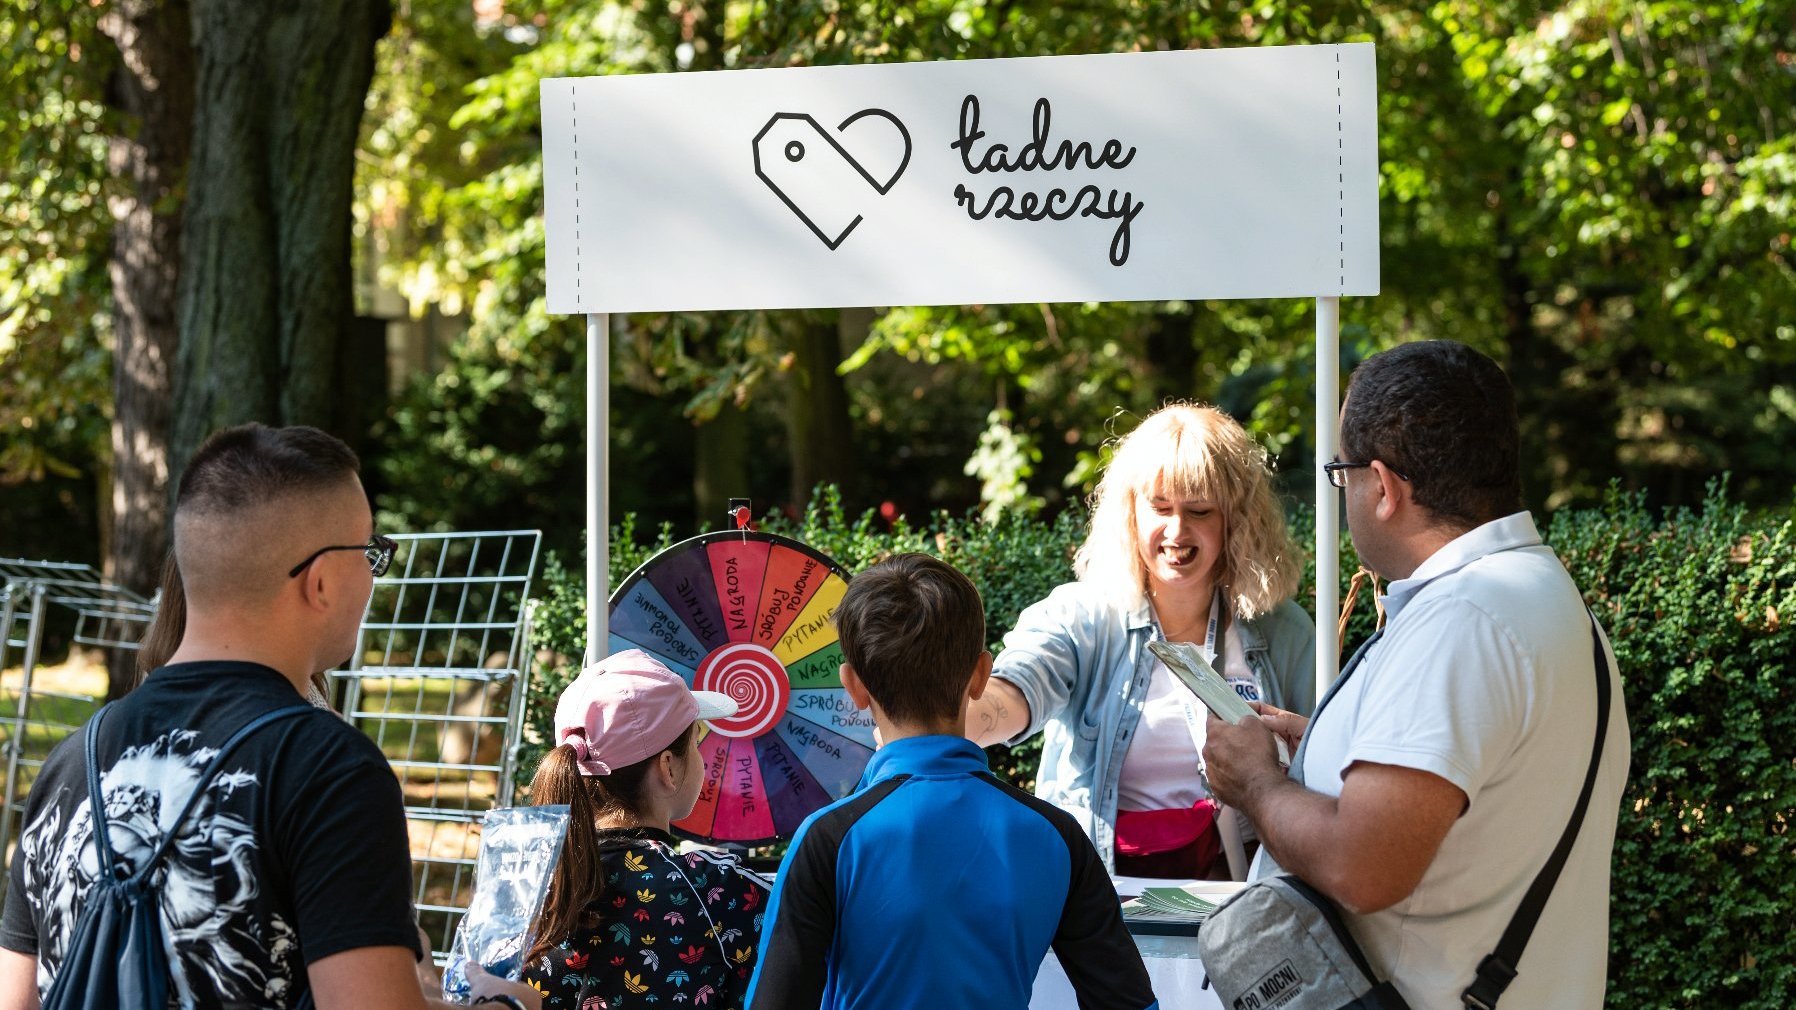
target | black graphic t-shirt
[
  {"x": 671, "y": 927},
  {"x": 298, "y": 851}
]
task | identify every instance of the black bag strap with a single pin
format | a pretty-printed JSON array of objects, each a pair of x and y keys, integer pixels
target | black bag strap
[
  {"x": 1498, "y": 968},
  {"x": 96, "y": 798},
  {"x": 1332, "y": 916}
]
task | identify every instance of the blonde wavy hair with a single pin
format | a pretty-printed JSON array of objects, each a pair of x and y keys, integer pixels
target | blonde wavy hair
[{"x": 1193, "y": 451}]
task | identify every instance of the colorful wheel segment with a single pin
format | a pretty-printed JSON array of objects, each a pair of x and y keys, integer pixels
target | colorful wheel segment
[{"x": 748, "y": 615}]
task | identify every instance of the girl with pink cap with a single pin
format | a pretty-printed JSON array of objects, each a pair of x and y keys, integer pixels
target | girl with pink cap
[{"x": 627, "y": 913}]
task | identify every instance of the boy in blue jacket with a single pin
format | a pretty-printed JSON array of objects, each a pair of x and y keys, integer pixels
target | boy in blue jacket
[{"x": 934, "y": 885}]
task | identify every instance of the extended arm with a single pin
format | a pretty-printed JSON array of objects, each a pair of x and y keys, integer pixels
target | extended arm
[
  {"x": 998, "y": 714},
  {"x": 18, "y": 958},
  {"x": 388, "y": 977},
  {"x": 1044, "y": 656},
  {"x": 1367, "y": 848}
]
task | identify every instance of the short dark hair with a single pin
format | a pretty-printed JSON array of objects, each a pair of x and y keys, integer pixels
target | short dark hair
[
  {"x": 251, "y": 464},
  {"x": 913, "y": 628},
  {"x": 1442, "y": 415}
]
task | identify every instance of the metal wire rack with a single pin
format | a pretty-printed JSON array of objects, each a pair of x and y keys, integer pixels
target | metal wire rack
[
  {"x": 439, "y": 682},
  {"x": 106, "y": 615}
]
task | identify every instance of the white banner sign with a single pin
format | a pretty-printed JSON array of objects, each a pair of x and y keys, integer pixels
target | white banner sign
[{"x": 1233, "y": 173}]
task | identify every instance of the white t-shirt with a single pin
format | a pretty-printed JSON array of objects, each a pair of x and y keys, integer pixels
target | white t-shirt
[
  {"x": 1161, "y": 767},
  {"x": 1483, "y": 677}
]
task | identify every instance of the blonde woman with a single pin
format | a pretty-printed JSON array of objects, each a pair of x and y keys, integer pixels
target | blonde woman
[{"x": 1187, "y": 544}]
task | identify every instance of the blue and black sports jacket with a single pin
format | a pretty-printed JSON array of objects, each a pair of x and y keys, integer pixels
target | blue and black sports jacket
[{"x": 936, "y": 886}]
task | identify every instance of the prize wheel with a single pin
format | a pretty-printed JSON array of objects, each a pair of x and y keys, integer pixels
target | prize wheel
[{"x": 747, "y": 614}]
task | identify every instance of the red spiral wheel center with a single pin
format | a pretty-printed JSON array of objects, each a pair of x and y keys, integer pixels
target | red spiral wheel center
[{"x": 754, "y": 679}]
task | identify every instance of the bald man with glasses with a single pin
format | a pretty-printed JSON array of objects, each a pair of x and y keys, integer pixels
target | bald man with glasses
[{"x": 290, "y": 883}]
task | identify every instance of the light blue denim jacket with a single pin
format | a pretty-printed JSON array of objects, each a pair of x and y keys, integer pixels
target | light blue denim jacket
[{"x": 1081, "y": 660}]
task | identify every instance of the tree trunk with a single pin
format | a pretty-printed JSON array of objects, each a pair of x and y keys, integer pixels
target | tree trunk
[
  {"x": 152, "y": 88},
  {"x": 361, "y": 383},
  {"x": 266, "y": 297},
  {"x": 719, "y": 464},
  {"x": 1172, "y": 354},
  {"x": 1567, "y": 427},
  {"x": 1534, "y": 365},
  {"x": 820, "y": 435}
]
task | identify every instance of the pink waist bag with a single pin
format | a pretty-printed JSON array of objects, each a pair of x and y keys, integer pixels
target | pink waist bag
[{"x": 1147, "y": 832}]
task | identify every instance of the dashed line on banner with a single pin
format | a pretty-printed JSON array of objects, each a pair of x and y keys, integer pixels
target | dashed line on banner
[{"x": 574, "y": 130}]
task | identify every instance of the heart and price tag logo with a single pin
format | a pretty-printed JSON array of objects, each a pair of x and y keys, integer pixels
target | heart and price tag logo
[
  {"x": 819, "y": 178},
  {"x": 828, "y": 178}
]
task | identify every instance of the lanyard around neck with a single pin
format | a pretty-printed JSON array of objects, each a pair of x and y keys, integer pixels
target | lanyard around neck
[
  {"x": 1210, "y": 632},
  {"x": 1194, "y": 712},
  {"x": 1210, "y": 629}
]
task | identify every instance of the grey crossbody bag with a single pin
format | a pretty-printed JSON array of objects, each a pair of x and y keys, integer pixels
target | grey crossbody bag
[{"x": 1280, "y": 944}]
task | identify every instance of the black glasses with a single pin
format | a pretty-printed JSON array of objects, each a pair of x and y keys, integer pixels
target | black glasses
[
  {"x": 1339, "y": 479},
  {"x": 379, "y": 551}
]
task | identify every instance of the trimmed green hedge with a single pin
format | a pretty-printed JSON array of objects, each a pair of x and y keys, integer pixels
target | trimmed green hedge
[{"x": 1700, "y": 606}]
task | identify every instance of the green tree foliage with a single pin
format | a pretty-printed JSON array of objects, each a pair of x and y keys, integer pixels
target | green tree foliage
[
  {"x": 451, "y": 186},
  {"x": 1600, "y": 196},
  {"x": 106, "y": 100},
  {"x": 1596, "y": 194},
  {"x": 55, "y": 363}
]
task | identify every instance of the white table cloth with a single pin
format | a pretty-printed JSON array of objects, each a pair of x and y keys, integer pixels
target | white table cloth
[
  {"x": 1172, "y": 961},
  {"x": 1172, "y": 966}
]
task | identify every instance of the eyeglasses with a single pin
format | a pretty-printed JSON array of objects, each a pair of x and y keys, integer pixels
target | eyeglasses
[
  {"x": 1339, "y": 479},
  {"x": 379, "y": 551}
]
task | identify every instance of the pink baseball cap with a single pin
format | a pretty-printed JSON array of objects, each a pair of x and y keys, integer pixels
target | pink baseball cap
[{"x": 629, "y": 707}]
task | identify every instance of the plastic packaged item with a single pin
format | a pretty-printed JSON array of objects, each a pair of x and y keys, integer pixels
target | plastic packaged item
[{"x": 518, "y": 850}]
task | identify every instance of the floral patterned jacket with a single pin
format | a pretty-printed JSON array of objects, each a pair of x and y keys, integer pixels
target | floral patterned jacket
[{"x": 671, "y": 929}]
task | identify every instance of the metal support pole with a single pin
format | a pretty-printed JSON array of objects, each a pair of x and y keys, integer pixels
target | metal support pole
[
  {"x": 598, "y": 484},
  {"x": 15, "y": 735},
  {"x": 9, "y": 597},
  {"x": 15, "y": 743},
  {"x": 1328, "y": 523},
  {"x": 34, "y": 642},
  {"x": 520, "y": 695}
]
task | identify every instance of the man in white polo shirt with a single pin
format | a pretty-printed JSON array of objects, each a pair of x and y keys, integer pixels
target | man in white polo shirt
[{"x": 1438, "y": 777}]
